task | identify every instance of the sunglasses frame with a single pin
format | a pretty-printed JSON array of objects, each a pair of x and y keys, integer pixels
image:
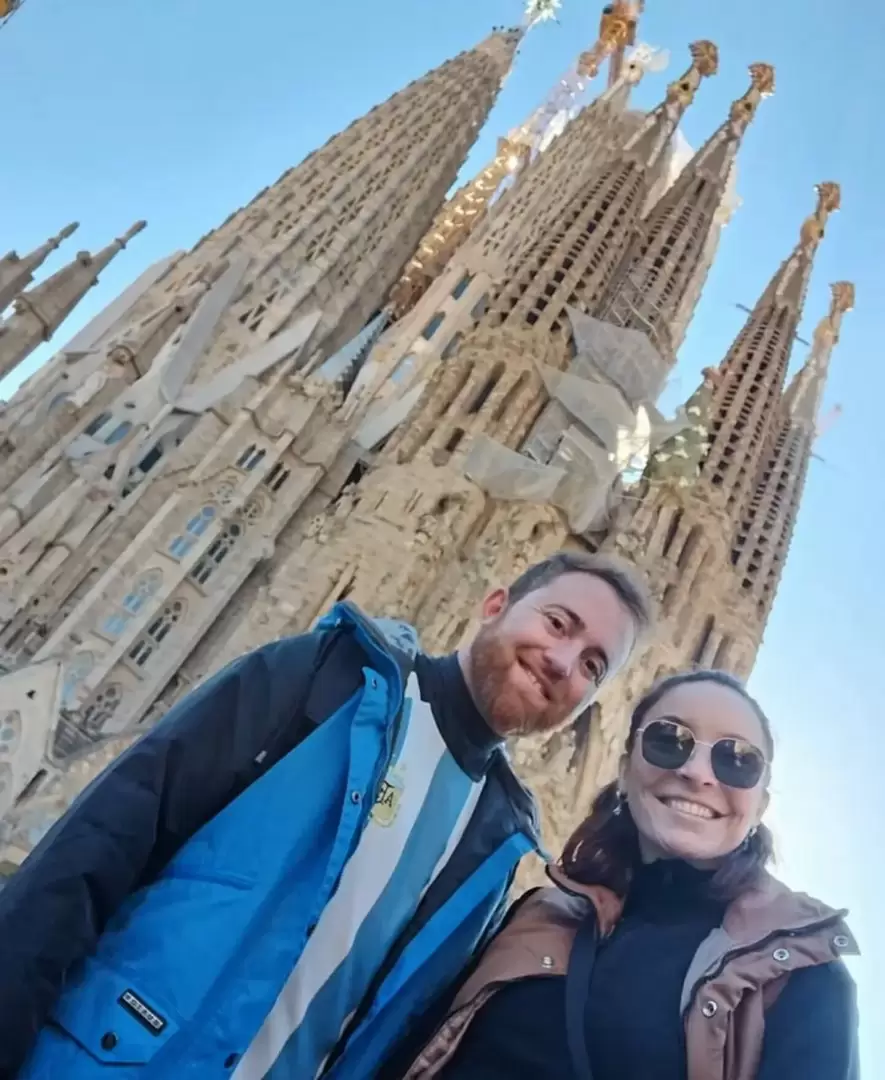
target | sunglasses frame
[{"x": 696, "y": 742}]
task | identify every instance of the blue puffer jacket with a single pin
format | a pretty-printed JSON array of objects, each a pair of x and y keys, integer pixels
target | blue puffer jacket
[{"x": 131, "y": 941}]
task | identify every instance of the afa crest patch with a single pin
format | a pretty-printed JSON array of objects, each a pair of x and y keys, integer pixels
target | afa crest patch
[{"x": 387, "y": 802}]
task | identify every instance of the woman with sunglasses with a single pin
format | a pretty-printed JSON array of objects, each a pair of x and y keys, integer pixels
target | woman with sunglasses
[{"x": 663, "y": 950}]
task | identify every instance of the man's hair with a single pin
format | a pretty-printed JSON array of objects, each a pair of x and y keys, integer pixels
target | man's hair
[{"x": 623, "y": 579}]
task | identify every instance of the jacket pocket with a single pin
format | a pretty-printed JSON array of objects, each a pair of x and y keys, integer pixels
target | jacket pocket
[{"x": 111, "y": 1018}]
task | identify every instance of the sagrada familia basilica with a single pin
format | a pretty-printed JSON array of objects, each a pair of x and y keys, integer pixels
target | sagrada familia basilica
[{"x": 360, "y": 386}]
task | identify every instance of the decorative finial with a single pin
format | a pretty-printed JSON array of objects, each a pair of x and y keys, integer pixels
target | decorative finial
[
  {"x": 705, "y": 55},
  {"x": 761, "y": 86},
  {"x": 829, "y": 200},
  {"x": 704, "y": 63},
  {"x": 134, "y": 231},
  {"x": 762, "y": 78},
  {"x": 617, "y": 30},
  {"x": 826, "y": 333},
  {"x": 842, "y": 297},
  {"x": 68, "y": 230}
]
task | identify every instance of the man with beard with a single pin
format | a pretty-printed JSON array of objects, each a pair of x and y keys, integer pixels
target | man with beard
[{"x": 306, "y": 850}]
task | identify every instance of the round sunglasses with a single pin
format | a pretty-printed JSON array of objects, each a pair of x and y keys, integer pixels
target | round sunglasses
[{"x": 669, "y": 744}]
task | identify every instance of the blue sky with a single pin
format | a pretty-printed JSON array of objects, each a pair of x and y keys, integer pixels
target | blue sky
[{"x": 179, "y": 112}]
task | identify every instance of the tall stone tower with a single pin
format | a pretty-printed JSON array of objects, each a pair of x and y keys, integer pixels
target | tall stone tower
[
  {"x": 431, "y": 328},
  {"x": 694, "y": 518},
  {"x": 16, "y": 273},
  {"x": 766, "y": 529},
  {"x": 648, "y": 292},
  {"x": 466, "y": 212},
  {"x": 334, "y": 232},
  {"x": 40, "y": 311}
]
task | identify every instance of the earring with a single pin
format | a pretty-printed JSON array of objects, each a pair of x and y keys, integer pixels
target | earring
[
  {"x": 748, "y": 839},
  {"x": 621, "y": 801}
]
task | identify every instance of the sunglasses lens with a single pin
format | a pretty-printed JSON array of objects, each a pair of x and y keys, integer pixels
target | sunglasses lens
[
  {"x": 737, "y": 763},
  {"x": 666, "y": 744}
]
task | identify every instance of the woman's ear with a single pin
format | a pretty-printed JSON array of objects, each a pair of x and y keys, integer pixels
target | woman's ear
[
  {"x": 622, "y": 772},
  {"x": 763, "y": 806}
]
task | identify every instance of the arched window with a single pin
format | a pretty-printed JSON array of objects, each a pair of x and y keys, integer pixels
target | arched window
[
  {"x": 156, "y": 633},
  {"x": 435, "y": 323},
  {"x": 250, "y": 458},
  {"x": 462, "y": 286},
  {"x": 97, "y": 424},
  {"x": 102, "y": 707},
  {"x": 76, "y": 670},
  {"x": 10, "y": 732},
  {"x": 216, "y": 553},
  {"x": 143, "y": 588},
  {"x": 180, "y": 545},
  {"x": 277, "y": 476},
  {"x": 118, "y": 433}
]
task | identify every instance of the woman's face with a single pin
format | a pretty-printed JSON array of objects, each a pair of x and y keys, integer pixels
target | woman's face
[{"x": 687, "y": 813}]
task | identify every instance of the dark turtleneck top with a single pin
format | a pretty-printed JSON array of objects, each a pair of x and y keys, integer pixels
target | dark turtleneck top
[
  {"x": 633, "y": 1022},
  {"x": 470, "y": 740}
]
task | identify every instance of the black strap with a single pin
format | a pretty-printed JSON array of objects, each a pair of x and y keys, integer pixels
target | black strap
[{"x": 577, "y": 991}]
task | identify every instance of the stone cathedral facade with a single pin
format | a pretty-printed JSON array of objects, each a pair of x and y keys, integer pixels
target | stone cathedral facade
[{"x": 354, "y": 388}]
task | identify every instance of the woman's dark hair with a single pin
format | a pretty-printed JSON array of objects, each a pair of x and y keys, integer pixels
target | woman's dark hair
[{"x": 604, "y": 849}]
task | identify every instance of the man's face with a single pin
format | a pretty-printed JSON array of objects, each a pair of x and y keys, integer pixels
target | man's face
[{"x": 534, "y": 663}]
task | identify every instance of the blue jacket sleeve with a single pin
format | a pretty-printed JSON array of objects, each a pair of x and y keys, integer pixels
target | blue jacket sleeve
[
  {"x": 129, "y": 822},
  {"x": 811, "y": 1029}
]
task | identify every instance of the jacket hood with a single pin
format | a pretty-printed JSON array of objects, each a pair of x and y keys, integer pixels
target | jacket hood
[{"x": 397, "y": 638}]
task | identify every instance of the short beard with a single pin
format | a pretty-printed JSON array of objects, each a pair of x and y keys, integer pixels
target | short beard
[{"x": 490, "y": 662}]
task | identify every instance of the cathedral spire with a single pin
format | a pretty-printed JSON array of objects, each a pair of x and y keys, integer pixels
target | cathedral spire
[
  {"x": 669, "y": 244},
  {"x": 572, "y": 150},
  {"x": 764, "y": 535},
  {"x": 40, "y": 311},
  {"x": 17, "y": 273},
  {"x": 334, "y": 233},
  {"x": 572, "y": 262},
  {"x": 653, "y": 138},
  {"x": 802, "y": 397},
  {"x": 468, "y": 206},
  {"x": 527, "y": 327},
  {"x": 753, "y": 371}
]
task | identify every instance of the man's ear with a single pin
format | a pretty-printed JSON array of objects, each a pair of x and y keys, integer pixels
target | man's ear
[{"x": 495, "y": 604}]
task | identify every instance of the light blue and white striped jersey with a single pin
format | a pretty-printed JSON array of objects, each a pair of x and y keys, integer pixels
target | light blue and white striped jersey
[{"x": 422, "y": 808}]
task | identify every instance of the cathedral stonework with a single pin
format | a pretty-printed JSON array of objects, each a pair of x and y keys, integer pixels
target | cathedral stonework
[{"x": 360, "y": 386}]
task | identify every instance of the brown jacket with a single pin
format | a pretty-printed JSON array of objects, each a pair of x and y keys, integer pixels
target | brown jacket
[{"x": 737, "y": 971}]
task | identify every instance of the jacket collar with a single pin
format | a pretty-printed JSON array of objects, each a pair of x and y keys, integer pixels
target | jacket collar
[
  {"x": 767, "y": 911},
  {"x": 398, "y": 641},
  {"x": 609, "y": 906}
]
